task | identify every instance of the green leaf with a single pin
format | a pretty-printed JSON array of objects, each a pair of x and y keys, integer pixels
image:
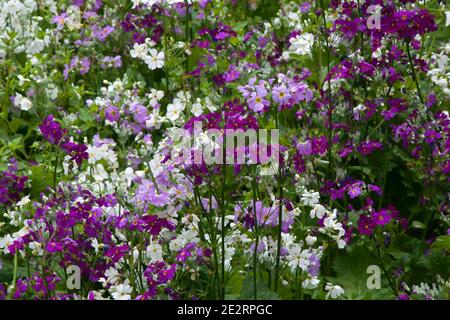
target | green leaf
[
  {"x": 418, "y": 225},
  {"x": 441, "y": 242},
  {"x": 40, "y": 180},
  {"x": 351, "y": 270},
  {"x": 263, "y": 291}
]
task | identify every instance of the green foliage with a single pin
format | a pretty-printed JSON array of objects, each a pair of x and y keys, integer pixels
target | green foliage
[{"x": 263, "y": 292}]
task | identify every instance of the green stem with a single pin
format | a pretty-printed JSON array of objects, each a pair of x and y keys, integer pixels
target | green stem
[
  {"x": 55, "y": 170},
  {"x": 224, "y": 173},
  {"x": 380, "y": 259},
  {"x": 414, "y": 72},
  {"x": 280, "y": 216},
  {"x": 15, "y": 271},
  {"x": 255, "y": 253}
]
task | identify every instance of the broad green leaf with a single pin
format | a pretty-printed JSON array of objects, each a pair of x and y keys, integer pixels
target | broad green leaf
[{"x": 263, "y": 292}]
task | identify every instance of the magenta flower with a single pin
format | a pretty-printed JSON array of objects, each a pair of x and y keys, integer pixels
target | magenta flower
[
  {"x": 354, "y": 190},
  {"x": 365, "y": 225},
  {"x": 367, "y": 147},
  {"x": 381, "y": 217},
  {"x": 117, "y": 252},
  {"x": 54, "y": 246},
  {"x": 51, "y": 130}
]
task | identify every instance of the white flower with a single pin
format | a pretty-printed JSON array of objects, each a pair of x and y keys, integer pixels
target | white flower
[
  {"x": 155, "y": 59},
  {"x": 302, "y": 43},
  {"x": 52, "y": 91},
  {"x": 183, "y": 96},
  {"x": 174, "y": 110},
  {"x": 310, "y": 283},
  {"x": 154, "y": 252},
  {"x": 147, "y": 3},
  {"x": 310, "y": 240},
  {"x": 35, "y": 46},
  {"x": 155, "y": 96},
  {"x": 310, "y": 198},
  {"x": 334, "y": 291},
  {"x": 156, "y": 165},
  {"x": 447, "y": 18},
  {"x": 341, "y": 244},
  {"x": 318, "y": 211},
  {"x": 99, "y": 173},
  {"x": 36, "y": 248},
  {"x": 122, "y": 291},
  {"x": 112, "y": 276},
  {"x": 5, "y": 242},
  {"x": 22, "y": 102},
  {"x": 298, "y": 258},
  {"x": 139, "y": 51},
  {"x": 24, "y": 201},
  {"x": 96, "y": 245},
  {"x": 128, "y": 175},
  {"x": 377, "y": 54},
  {"x": 22, "y": 232},
  {"x": 197, "y": 108},
  {"x": 211, "y": 107}
]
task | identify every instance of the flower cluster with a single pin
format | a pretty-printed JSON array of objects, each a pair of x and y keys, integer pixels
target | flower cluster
[{"x": 134, "y": 137}]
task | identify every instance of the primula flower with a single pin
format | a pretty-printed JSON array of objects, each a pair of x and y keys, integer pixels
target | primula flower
[
  {"x": 367, "y": 147},
  {"x": 365, "y": 225},
  {"x": 112, "y": 114},
  {"x": 281, "y": 94},
  {"x": 381, "y": 217},
  {"x": 52, "y": 131},
  {"x": 54, "y": 246},
  {"x": 155, "y": 59},
  {"x": 354, "y": 190},
  {"x": 257, "y": 102},
  {"x": 117, "y": 252}
]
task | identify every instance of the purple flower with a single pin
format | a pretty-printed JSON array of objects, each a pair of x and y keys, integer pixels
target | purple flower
[
  {"x": 232, "y": 74},
  {"x": 11, "y": 185},
  {"x": 375, "y": 189},
  {"x": 54, "y": 246},
  {"x": 365, "y": 225},
  {"x": 102, "y": 33},
  {"x": 115, "y": 253},
  {"x": 112, "y": 113},
  {"x": 59, "y": 20},
  {"x": 85, "y": 65},
  {"x": 354, "y": 190},
  {"x": 281, "y": 95},
  {"x": 257, "y": 102},
  {"x": 166, "y": 275},
  {"x": 381, "y": 217},
  {"x": 185, "y": 253},
  {"x": 431, "y": 136},
  {"x": 51, "y": 130},
  {"x": 140, "y": 112},
  {"x": 431, "y": 100},
  {"x": 403, "y": 296},
  {"x": 367, "y": 147},
  {"x": 76, "y": 151},
  {"x": 304, "y": 148},
  {"x": 314, "y": 265},
  {"x": 305, "y": 7}
]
